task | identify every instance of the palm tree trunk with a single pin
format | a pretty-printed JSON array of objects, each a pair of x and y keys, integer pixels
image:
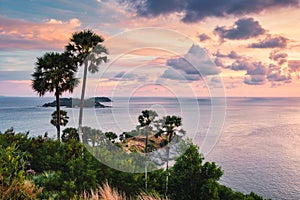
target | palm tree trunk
[
  {"x": 82, "y": 101},
  {"x": 146, "y": 159},
  {"x": 57, "y": 114},
  {"x": 167, "y": 170}
]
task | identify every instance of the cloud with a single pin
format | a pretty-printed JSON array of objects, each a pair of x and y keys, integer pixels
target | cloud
[
  {"x": 203, "y": 37},
  {"x": 231, "y": 55},
  {"x": 278, "y": 77},
  {"x": 194, "y": 64},
  {"x": 219, "y": 62},
  {"x": 242, "y": 29},
  {"x": 279, "y": 73},
  {"x": 256, "y": 68},
  {"x": 255, "y": 80},
  {"x": 175, "y": 75},
  {"x": 16, "y": 88},
  {"x": 20, "y": 34},
  {"x": 271, "y": 42},
  {"x": 123, "y": 76},
  {"x": 214, "y": 82},
  {"x": 256, "y": 71},
  {"x": 279, "y": 57},
  {"x": 119, "y": 75},
  {"x": 294, "y": 66},
  {"x": 195, "y": 10}
]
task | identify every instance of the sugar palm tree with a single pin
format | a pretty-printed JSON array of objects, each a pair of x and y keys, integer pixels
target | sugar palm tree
[
  {"x": 86, "y": 49},
  {"x": 170, "y": 127},
  {"x": 145, "y": 119},
  {"x": 64, "y": 119},
  {"x": 54, "y": 72}
]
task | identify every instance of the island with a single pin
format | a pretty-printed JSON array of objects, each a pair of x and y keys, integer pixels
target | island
[{"x": 74, "y": 102}]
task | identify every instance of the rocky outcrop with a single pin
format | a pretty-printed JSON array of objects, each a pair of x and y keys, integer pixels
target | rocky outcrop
[{"x": 73, "y": 102}]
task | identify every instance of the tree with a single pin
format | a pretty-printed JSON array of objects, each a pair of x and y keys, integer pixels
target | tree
[
  {"x": 170, "y": 127},
  {"x": 92, "y": 136},
  {"x": 64, "y": 119},
  {"x": 85, "y": 48},
  {"x": 54, "y": 72},
  {"x": 111, "y": 136},
  {"x": 190, "y": 179},
  {"x": 70, "y": 134},
  {"x": 145, "y": 120}
]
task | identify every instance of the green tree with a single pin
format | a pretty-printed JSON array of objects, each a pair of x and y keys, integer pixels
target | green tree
[
  {"x": 170, "y": 127},
  {"x": 145, "y": 119},
  {"x": 86, "y": 49},
  {"x": 189, "y": 179},
  {"x": 111, "y": 136},
  {"x": 70, "y": 134},
  {"x": 54, "y": 72},
  {"x": 64, "y": 119},
  {"x": 92, "y": 136}
]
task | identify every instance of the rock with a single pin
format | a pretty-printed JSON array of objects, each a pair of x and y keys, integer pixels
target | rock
[{"x": 73, "y": 102}]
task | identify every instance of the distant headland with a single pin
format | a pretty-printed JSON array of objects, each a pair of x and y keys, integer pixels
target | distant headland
[{"x": 74, "y": 102}]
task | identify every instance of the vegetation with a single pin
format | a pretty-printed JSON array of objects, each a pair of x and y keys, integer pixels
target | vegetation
[
  {"x": 43, "y": 168},
  {"x": 85, "y": 48},
  {"x": 89, "y": 164},
  {"x": 64, "y": 119},
  {"x": 54, "y": 72}
]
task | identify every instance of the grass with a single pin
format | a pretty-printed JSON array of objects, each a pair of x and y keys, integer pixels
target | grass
[{"x": 107, "y": 193}]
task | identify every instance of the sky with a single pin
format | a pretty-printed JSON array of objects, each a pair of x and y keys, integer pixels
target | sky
[{"x": 160, "y": 48}]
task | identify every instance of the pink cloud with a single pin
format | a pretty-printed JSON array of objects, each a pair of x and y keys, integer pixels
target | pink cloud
[
  {"x": 20, "y": 34},
  {"x": 16, "y": 88}
]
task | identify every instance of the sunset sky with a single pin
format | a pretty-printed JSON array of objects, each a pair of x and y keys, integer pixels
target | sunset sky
[{"x": 161, "y": 48}]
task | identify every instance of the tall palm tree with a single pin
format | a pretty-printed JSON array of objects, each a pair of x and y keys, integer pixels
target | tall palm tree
[
  {"x": 54, "y": 72},
  {"x": 86, "y": 49},
  {"x": 145, "y": 120},
  {"x": 170, "y": 127}
]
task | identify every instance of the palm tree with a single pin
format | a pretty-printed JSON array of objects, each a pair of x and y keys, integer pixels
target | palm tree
[
  {"x": 85, "y": 49},
  {"x": 64, "y": 119},
  {"x": 145, "y": 120},
  {"x": 170, "y": 127},
  {"x": 54, "y": 72}
]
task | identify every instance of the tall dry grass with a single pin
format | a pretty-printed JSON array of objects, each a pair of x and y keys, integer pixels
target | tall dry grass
[
  {"x": 16, "y": 189},
  {"x": 107, "y": 193}
]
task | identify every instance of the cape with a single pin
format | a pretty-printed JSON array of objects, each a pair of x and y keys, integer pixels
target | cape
[{"x": 74, "y": 102}]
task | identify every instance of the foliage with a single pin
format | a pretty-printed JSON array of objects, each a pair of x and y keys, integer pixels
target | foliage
[
  {"x": 111, "y": 136},
  {"x": 93, "y": 136},
  {"x": 16, "y": 189},
  {"x": 190, "y": 179},
  {"x": 66, "y": 170},
  {"x": 85, "y": 48},
  {"x": 64, "y": 119},
  {"x": 70, "y": 134},
  {"x": 13, "y": 184},
  {"x": 54, "y": 72},
  {"x": 83, "y": 43}
]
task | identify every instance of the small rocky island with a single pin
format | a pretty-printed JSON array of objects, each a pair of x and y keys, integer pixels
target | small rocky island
[{"x": 73, "y": 102}]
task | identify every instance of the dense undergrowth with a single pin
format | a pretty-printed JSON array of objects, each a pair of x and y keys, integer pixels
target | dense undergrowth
[{"x": 43, "y": 168}]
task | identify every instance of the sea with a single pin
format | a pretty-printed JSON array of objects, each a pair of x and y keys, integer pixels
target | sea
[{"x": 256, "y": 141}]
